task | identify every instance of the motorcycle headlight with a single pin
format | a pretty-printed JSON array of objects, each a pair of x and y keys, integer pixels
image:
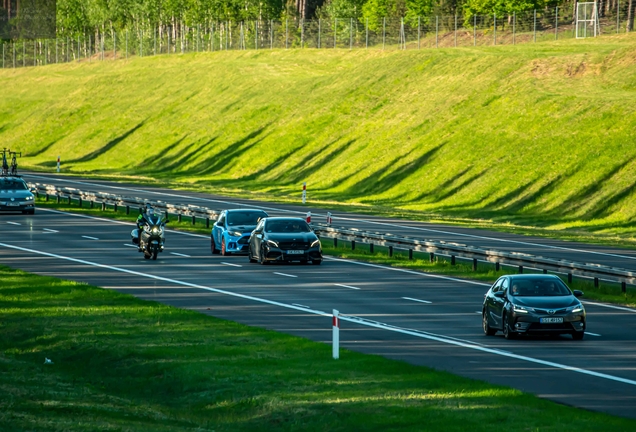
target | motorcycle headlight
[
  {"x": 315, "y": 243},
  {"x": 235, "y": 233},
  {"x": 272, "y": 243},
  {"x": 522, "y": 309},
  {"x": 576, "y": 308},
  {"x": 155, "y": 230}
]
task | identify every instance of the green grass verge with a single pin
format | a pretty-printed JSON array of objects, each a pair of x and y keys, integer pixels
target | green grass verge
[
  {"x": 528, "y": 136},
  {"x": 606, "y": 291},
  {"x": 123, "y": 364}
]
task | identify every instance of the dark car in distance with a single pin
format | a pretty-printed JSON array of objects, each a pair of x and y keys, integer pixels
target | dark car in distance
[
  {"x": 284, "y": 239},
  {"x": 533, "y": 304},
  {"x": 15, "y": 196},
  {"x": 231, "y": 231}
]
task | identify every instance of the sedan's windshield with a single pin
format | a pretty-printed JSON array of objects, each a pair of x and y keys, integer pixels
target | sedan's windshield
[
  {"x": 538, "y": 288},
  {"x": 11, "y": 184},
  {"x": 287, "y": 226},
  {"x": 244, "y": 218}
]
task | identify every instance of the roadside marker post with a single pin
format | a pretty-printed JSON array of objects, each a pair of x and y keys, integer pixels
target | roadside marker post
[
  {"x": 304, "y": 192},
  {"x": 58, "y": 164},
  {"x": 308, "y": 217},
  {"x": 336, "y": 335},
  {"x": 329, "y": 218}
]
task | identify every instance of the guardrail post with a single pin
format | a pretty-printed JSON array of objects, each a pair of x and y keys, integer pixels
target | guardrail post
[
  {"x": 370, "y": 247},
  {"x": 47, "y": 196},
  {"x": 497, "y": 266},
  {"x": 179, "y": 217},
  {"x": 595, "y": 282},
  {"x": 79, "y": 201},
  {"x": 69, "y": 200},
  {"x": 545, "y": 271},
  {"x": 569, "y": 277},
  {"x": 474, "y": 264},
  {"x": 520, "y": 269},
  {"x": 623, "y": 287},
  {"x": 335, "y": 242},
  {"x": 92, "y": 203},
  {"x": 353, "y": 245},
  {"x": 115, "y": 207},
  {"x": 103, "y": 205},
  {"x": 452, "y": 259},
  {"x": 390, "y": 251},
  {"x": 431, "y": 256},
  {"x": 411, "y": 254},
  {"x": 58, "y": 199},
  {"x": 140, "y": 210},
  {"x": 127, "y": 209},
  {"x": 194, "y": 220},
  {"x": 207, "y": 222}
]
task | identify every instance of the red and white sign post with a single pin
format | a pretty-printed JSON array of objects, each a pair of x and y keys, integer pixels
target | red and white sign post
[
  {"x": 336, "y": 335},
  {"x": 304, "y": 192},
  {"x": 58, "y": 164},
  {"x": 329, "y": 218},
  {"x": 308, "y": 217}
]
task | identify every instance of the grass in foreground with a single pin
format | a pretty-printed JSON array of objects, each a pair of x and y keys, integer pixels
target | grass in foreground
[
  {"x": 606, "y": 291},
  {"x": 124, "y": 364}
]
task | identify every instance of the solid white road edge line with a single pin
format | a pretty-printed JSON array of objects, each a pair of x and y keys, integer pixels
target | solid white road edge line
[
  {"x": 180, "y": 254},
  {"x": 285, "y": 274},
  {"x": 231, "y": 265},
  {"x": 592, "y": 334},
  {"x": 347, "y": 286},
  {"x": 129, "y": 245},
  {"x": 429, "y": 336},
  {"x": 347, "y": 219},
  {"x": 302, "y": 306},
  {"x": 332, "y": 258},
  {"x": 90, "y": 238},
  {"x": 14, "y": 223},
  {"x": 417, "y": 300},
  {"x": 49, "y": 230}
]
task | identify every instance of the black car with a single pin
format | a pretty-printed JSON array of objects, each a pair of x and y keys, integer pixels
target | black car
[
  {"x": 538, "y": 304},
  {"x": 15, "y": 196},
  {"x": 284, "y": 239}
]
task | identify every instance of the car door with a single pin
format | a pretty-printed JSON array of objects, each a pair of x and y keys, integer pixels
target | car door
[
  {"x": 257, "y": 238},
  {"x": 491, "y": 303},
  {"x": 499, "y": 302},
  {"x": 219, "y": 226}
]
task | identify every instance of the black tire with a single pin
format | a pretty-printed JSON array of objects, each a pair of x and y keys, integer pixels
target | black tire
[
  {"x": 215, "y": 251},
  {"x": 578, "y": 335},
  {"x": 224, "y": 252},
  {"x": 485, "y": 325},
  {"x": 261, "y": 258},
  {"x": 508, "y": 333},
  {"x": 154, "y": 254},
  {"x": 146, "y": 256},
  {"x": 316, "y": 262}
]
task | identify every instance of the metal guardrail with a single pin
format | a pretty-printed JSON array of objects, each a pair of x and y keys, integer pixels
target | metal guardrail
[{"x": 452, "y": 250}]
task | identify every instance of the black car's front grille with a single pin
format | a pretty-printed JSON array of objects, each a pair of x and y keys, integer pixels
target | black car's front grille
[
  {"x": 293, "y": 245},
  {"x": 551, "y": 311}
]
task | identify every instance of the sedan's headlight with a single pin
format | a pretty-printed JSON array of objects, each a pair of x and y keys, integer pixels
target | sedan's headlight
[
  {"x": 272, "y": 243},
  {"x": 315, "y": 243},
  {"x": 235, "y": 233},
  {"x": 29, "y": 198},
  {"x": 576, "y": 308},
  {"x": 522, "y": 309}
]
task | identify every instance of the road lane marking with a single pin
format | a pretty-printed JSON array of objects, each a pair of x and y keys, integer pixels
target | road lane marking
[
  {"x": 285, "y": 274},
  {"x": 609, "y": 306},
  {"x": 180, "y": 255},
  {"x": 347, "y": 286},
  {"x": 592, "y": 334},
  {"x": 90, "y": 238},
  {"x": 230, "y": 264},
  {"x": 50, "y": 230},
  {"x": 129, "y": 245},
  {"x": 416, "y": 300},
  {"x": 346, "y": 318},
  {"x": 392, "y": 224},
  {"x": 302, "y": 306},
  {"x": 14, "y": 223}
]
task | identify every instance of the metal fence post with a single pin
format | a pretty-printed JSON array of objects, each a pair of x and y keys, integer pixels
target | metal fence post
[
  {"x": 556, "y": 23},
  {"x": 455, "y": 30},
  {"x": 114, "y": 45},
  {"x": 286, "y": 33},
  {"x": 319, "y": 31},
  {"x": 351, "y": 34},
  {"x": 474, "y": 30},
  {"x": 3, "y": 55},
  {"x": 418, "y": 32},
  {"x": 514, "y": 23},
  {"x": 383, "y": 32},
  {"x": 535, "y": 26},
  {"x": 335, "y": 33},
  {"x": 23, "y": 53},
  {"x": 127, "y": 43},
  {"x": 366, "y": 25},
  {"x": 436, "y": 31},
  {"x": 618, "y": 15}
]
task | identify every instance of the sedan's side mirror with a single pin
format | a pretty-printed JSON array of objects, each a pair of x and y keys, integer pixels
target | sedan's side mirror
[
  {"x": 577, "y": 293},
  {"x": 499, "y": 294},
  {"x": 260, "y": 236}
]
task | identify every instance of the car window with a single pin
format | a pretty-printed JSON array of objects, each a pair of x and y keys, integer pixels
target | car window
[
  {"x": 244, "y": 218},
  {"x": 287, "y": 226},
  {"x": 12, "y": 184},
  {"x": 259, "y": 227},
  {"x": 497, "y": 286},
  {"x": 539, "y": 288},
  {"x": 505, "y": 284},
  {"x": 221, "y": 220}
]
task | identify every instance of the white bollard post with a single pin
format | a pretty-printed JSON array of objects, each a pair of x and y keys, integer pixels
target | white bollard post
[
  {"x": 304, "y": 192},
  {"x": 308, "y": 217},
  {"x": 329, "y": 219},
  {"x": 336, "y": 335},
  {"x": 58, "y": 164}
]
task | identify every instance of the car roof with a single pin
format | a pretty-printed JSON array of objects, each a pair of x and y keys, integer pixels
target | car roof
[
  {"x": 533, "y": 276},
  {"x": 245, "y": 210},
  {"x": 283, "y": 218}
]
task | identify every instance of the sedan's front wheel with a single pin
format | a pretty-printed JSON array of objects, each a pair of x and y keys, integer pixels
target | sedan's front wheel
[
  {"x": 261, "y": 257},
  {"x": 507, "y": 331}
]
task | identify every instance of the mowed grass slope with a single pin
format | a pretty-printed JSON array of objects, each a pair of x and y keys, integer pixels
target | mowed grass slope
[
  {"x": 537, "y": 134},
  {"x": 123, "y": 364}
]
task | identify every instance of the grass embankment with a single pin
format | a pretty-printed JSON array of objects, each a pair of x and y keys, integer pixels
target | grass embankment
[
  {"x": 534, "y": 135},
  {"x": 120, "y": 363},
  {"x": 606, "y": 291}
]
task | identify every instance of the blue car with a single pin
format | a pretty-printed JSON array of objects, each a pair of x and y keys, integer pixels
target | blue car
[{"x": 231, "y": 232}]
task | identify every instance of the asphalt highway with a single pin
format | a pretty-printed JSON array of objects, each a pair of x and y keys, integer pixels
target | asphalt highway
[
  {"x": 556, "y": 249},
  {"x": 422, "y": 319}
]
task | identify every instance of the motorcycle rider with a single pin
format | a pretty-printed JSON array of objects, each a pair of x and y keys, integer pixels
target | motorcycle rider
[{"x": 141, "y": 221}]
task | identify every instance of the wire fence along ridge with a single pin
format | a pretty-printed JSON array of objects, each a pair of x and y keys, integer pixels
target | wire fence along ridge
[
  {"x": 344, "y": 33},
  {"x": 453, "y": 250}
]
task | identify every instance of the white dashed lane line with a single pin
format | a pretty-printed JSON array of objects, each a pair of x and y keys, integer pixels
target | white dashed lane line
[
  {"x": 417, "y": 300},
  {"x": 180, "y": 255},
  {"x": 302, "y": 306},
  {"x": 285, "y": 274},
  {"x": 129, "y": 245},
  {"x": 50, "y": 230},
  {"x": 347, "y": 286},
  {"x": 90, "y": 238},
  {"x": 14, "y": 223},
  {"x": 231, "y": 265},
  {"x": 593, "y": 334}
]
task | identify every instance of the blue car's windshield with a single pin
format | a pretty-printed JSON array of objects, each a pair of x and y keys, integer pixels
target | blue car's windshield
[
  {"x": 244, "y": 218},
  {"x": 538, "y": 288},
  {"x": 287, "y": 226},
  {"x": 11, "y": 184}
]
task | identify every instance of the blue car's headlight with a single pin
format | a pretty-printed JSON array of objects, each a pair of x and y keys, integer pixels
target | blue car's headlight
[{"x": 235, "y": 233}]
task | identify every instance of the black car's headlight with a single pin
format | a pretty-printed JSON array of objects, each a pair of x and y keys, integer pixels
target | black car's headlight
[
  {"x": 315, "y": 243},
  {"x": 576, "y": 308},
  {"x": 522, "y": 309},
  {"x": 272, "y": 243}
]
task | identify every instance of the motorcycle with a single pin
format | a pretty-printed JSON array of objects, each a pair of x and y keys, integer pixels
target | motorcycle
[{"x": 152, "y": 238}]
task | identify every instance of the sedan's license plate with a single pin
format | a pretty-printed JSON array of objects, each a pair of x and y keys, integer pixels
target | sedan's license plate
[
  {"x": 551, "y": 320},
  {"x": 295, "y": 252},
  {"x": 13, "y": 204}
]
